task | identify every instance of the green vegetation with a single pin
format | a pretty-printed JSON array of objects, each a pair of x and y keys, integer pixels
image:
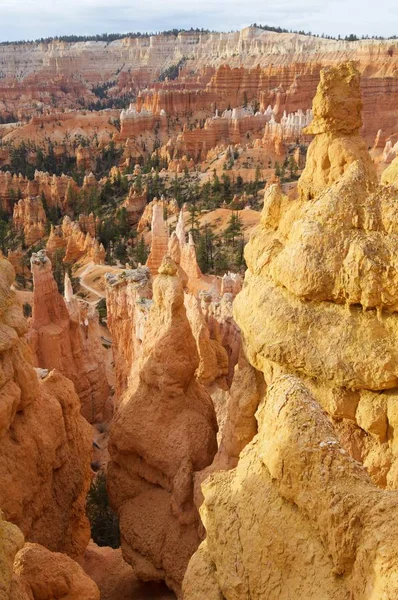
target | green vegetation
[
  {"x": 104, "y": 37},
  {"x": 348, "y": 38},
  {"x": 104, "y": 522},
  {"x": 173, "y": 71},
  {"x": 102, "y": 311},
  {"x": 288, "y": 170}
]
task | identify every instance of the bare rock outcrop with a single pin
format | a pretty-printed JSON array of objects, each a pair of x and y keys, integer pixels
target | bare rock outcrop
[
  {"x": 45, "y": 443},
  {"x": 300, "y": 515},
  {"x": 337, "y": 119},
  {"x": 160, "y": 238},
  {"x": 30, "y": 219},
  {"x": 128, "y": 300},
  {"x": 297, "y": 517},
  {"x": 326, "y": 265},
  {"x": 43, "y": 575},
  {"x": 390, "y": 175},
  {"x": 78, "y": 245},
  {"x": 64, "y": 335},
  {"x": 163, "y": 431},
  {"x": 31, "y": 572}
]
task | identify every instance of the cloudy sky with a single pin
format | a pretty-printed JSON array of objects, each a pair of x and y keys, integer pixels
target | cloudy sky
[{"x": 31, "y": 19}]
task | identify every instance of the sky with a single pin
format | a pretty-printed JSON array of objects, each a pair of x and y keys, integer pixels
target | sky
[{"x": 32, "y": 19}]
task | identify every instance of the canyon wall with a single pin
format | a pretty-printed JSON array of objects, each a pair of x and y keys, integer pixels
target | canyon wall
[
  {"x": 45, "y": 442},
  {"x": 221, "y": 70},
  {"x": 326, "y": 444}
]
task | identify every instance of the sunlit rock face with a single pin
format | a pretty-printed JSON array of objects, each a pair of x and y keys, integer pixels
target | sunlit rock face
[
  {"x": 317, "y": 314},
  {"x": 164, "y": 430}
]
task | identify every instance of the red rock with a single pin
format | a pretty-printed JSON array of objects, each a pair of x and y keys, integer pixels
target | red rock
[{"x": 65, "y": 335}]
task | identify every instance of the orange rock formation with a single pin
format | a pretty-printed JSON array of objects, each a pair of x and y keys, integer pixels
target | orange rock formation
[
  {"x": 151, "y": 484},
  {"x": 45, "y": 443},
  {"x": 30, "y": 219},
  {"x": 64, "y": 335},
  {"x": 77, "y": 244},
  {"x": 128, "y": 299}
]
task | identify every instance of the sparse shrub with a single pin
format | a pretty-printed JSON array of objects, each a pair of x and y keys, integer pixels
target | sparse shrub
[{"x": 104, "y": 522}]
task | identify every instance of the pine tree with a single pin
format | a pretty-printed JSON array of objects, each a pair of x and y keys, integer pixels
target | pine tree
[{"x": 234, "y": 229}]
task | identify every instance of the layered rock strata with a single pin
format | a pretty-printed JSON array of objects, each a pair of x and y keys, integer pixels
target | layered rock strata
[{"x": 163, "y": 431}]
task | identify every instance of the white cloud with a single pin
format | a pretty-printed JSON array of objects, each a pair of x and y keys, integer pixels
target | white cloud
[{"x": 30, "y": 19}]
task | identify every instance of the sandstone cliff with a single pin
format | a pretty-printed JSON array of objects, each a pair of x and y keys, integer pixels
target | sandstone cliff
[
  {"x": 300, "y": 515},
  {"x": 163, "y": 431},
  {"x": 65, "y": 335},
  {"x": 45, "y": 443},
  {"x": 297, "y": 517}
]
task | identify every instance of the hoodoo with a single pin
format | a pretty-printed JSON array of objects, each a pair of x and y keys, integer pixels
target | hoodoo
[
  {"x": 64, "y": 335},
  {"x": 317, "y": 309},
  {"x": 163, "y": 431}
]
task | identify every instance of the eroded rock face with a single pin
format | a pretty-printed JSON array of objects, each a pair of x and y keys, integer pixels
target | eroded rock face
[
  {"x": 297, "y": 517},
  {"x": 160, "y": 239},
  {"x": 43, "y": 575},
  {"x": 45, "y": 444},
  {"x": 326, "y": 266},
  {"x": 336, "y": 123},
  {"x": 65, "y": 335},
  {"x": 29, "y": 218},
  {"x": 77, "y": 244},
  {"x": 300, "y": 516},
  {"x": 128, "y": 300},
  {"x": 390, "y": 175},
  {"x": 163, "y": 431}
]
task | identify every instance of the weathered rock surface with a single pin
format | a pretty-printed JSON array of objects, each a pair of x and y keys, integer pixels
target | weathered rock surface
[
  {"x": 64, "y": 335},
  {"x": 163, "y": 431},
  {"x": 43, "y": 575},
  {"x": 128, "y": 299},
  {"x": 30, "y": 219},
  {"x": 390, "y": 175},
  {"x": 45, "y": 443},
  {"x": 115, "y": 578},
  {"x": 160, "y": 239},
  {"x": 78, "y": 246},
  {"x": 297, "y": 517},
  {"x": 326, "y": 266},
  {"x": 31, "y": 572}
]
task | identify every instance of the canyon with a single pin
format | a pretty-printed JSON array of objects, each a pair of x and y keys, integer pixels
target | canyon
[{"x": 198, "y": 304}]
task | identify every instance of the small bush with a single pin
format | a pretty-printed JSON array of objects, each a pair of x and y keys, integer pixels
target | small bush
[
  {"x": 27, "y": 310},
  {"x": 104, "y": 522}
]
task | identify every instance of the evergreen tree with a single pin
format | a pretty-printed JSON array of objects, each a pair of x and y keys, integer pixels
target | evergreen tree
[{"x": 234, "y": 229}]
